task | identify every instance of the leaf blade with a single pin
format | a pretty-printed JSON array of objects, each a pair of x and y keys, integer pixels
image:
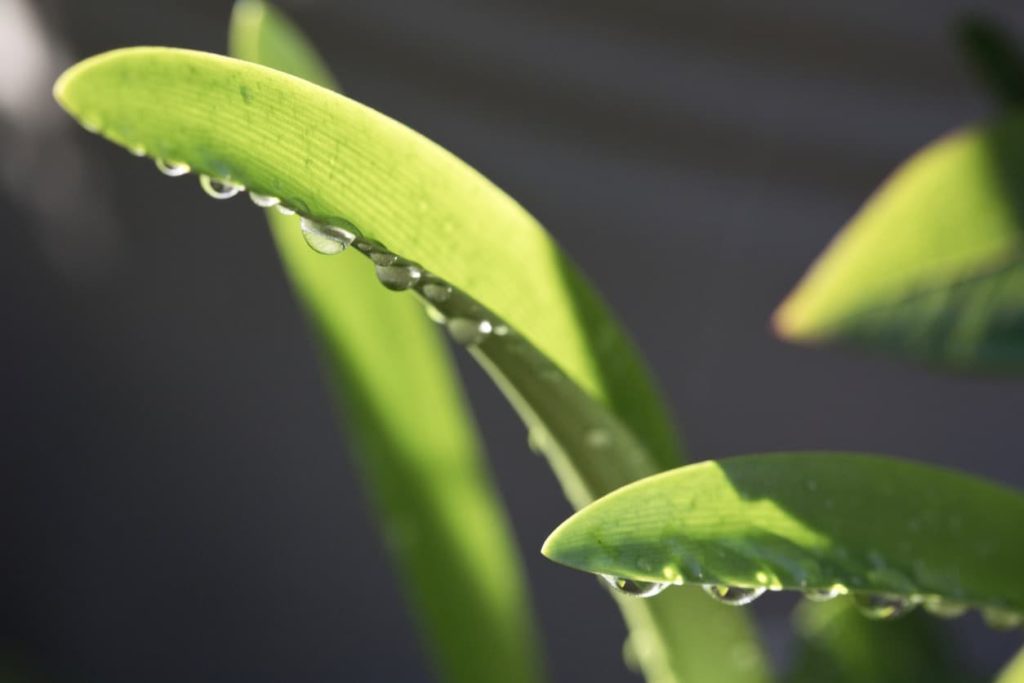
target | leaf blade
[
  {"x": 930, "y": 268},
  {"x": 802, "y": 520}
]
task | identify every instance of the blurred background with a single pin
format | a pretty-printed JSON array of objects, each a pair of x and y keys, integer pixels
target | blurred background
[{"x": 176, "y": 500}]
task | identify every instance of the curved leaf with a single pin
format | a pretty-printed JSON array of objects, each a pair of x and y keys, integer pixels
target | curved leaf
[
  {"x": 1013, "y": 672},
  {"x": 810, "y": 521},
  {"x": 932, "y": 267},
  {"x": 336, "y": 160},
  {"x": 413, "y": 433}
]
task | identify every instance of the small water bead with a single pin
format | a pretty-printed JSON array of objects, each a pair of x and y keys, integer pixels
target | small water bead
[
  {"x": 383, "y": 258},
  {"x": 93, "y": 124},
  {"x": 137, "y": 150},
  {"x": 883, "y": 605},
  {"x": 824, "y": 594},
  {"x": 1001, "y": 619},
  {"x": 468, "y": 332},
  {"x": 636, "y": 589},
  {"x": 436, "y": 292},
  {"x": 943, "y": 608},
  {"x": 285, "y": 210},
  {"x": 325, "y": 239},
  {"x": 218, "y": 189},
  {"x": 435, "y": 314},
  {"x": 400, "y": 276},
  {"x": 736, "y": 596},
  {"x": 264, "y": 200},
  {"x": 172, "y": 169}
]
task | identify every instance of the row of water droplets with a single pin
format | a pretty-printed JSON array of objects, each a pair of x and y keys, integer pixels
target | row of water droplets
[
  {"x": 872, "y": 605},
  {"x": 398, "y": 274},
  {"x": 394, "y": 272}
]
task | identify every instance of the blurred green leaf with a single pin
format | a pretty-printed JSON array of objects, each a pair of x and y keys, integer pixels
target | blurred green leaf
[
  {"x": 932, "y": 267},
  {"x": 415, "y": 437},
  {"x": 994, "y": 57},
  {"x": 810, "y": 522},
  {"x": 341, "y": 162},
  {"x": 839, "y": 646}
]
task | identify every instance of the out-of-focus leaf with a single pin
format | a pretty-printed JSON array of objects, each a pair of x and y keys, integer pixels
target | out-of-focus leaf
[
  {"x": 995, "y": 58},
  {"x": 872, "y": 525},
  {"x": 405, "y": 413},
  {"x": 932, "y": 267},
  {"x": 839, "y": 646}
]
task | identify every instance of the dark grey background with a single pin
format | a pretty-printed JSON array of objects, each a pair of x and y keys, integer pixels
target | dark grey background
[{"x": 175, "y": 499}]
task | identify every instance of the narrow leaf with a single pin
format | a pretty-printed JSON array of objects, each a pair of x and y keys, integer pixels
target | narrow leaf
[
  {"x": 932, "y": 268},
  {"x": 414, "y": 435},
  {"x": 870, "y": 525},
  {"x": 340, "y": 162},
  {"x": 1013, "y": 672}
]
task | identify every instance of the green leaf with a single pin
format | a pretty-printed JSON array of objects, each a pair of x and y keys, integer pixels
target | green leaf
[
  {"x": 839, "y": 646},
  {"x": 810, "y": 521},
  {"x": 995, "y": 58},
  {"x": 418, "y": 448},
  {"x": 557, "y": 353},
  {"x": 932, "y": 268},
  {"x": 339, "y": 161}
]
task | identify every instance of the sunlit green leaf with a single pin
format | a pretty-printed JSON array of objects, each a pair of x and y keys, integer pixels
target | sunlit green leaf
[
  {"x": 932, "y": 268},
  {"x": 878, "y": 527}
]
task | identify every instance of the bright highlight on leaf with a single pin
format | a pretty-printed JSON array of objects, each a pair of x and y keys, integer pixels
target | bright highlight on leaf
[
  {"x": 932, "y": 267},
  {"x": 893, "y": 533}
]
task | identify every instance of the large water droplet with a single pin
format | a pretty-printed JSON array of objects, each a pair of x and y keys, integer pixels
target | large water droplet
[
  {"x": 1001, "y": 618},
  {"x": 944, "y": 609},
  {"x": 883, "y": 605},
  {"x": 824, "y": 594},
  {"x": 326, "y": 239},
  {"x": 264, "y": 200},
  {"x": 172, "y": 169},
  {"x": 734, "y": 595},
  {"x": 400, "y": 276},
  {"x": 467, "y": 331},
  {"x": 218, "y": 189},
  {"x": 436, "y": 292},
  {"x": 636, "y": 589}
]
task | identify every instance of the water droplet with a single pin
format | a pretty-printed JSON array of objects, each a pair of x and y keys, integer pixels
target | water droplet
[
  {"x": 1001, "y": 618},
  {"x": 467, "y": 331},
  {"x": 824, "y": 594},
  {"x": 733, "y": 595},
  {"x": 400, "y": 276},
  {"x": 137, "y": 150},
  {"x": 285, "y": 210},
  {"x": 436, "y": 292},
  {"x": 435, "y": 315},
  {"x": 500, "y": 330},
  {"x": 172, "y": 169},
  {"x": 264, "y": 200},
  {"x": 382, "y": 257},
  {"x": 325, "y": 239},
  {"x": 218, "y": 189},
  {"x": 944, "y": 609},
  {"x": 93, "y": 124},
  {"x": 883, "y": 605},
  {"x": 636, "y": 589}
]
